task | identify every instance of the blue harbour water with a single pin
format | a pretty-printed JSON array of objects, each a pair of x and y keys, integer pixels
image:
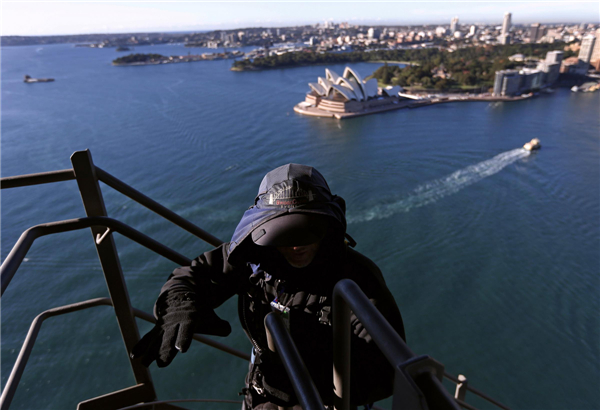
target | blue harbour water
[{"x": 492, "y": 253}]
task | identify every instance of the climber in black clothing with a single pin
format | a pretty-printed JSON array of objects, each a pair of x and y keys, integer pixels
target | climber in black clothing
[{"x": 287, "y": 253}]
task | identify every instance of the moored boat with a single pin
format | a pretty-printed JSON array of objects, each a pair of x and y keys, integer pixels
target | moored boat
[{"x": 28, "y": 79}]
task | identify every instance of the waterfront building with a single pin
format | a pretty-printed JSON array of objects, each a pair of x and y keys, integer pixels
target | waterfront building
[
  {"x": 551, "y": 66},
  {"x": 531, "y": 79},
  {"x": 454, "y": 25},
  {"x": 346, "y": 94},
  {"x": 514, "y": 82},
  {"x": 595, "y": 59},
  {"x": 587, "y": 47},
  {"x": 575, "y": 66},
  {"x": 551, "y": 71},
  {"x": 507, "y": 83}
]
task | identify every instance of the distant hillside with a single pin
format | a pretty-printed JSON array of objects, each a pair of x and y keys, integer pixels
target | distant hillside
[{"x": 119, "y": 38}]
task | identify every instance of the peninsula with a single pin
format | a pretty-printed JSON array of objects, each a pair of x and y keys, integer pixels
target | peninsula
[
  {"x": 349, "y": 96},
  {"x": 436, "y": 68},
  {"x": 154, "y": 59}
]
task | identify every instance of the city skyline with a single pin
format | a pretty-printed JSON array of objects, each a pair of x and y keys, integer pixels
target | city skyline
[{"x": 35, "y": 18}]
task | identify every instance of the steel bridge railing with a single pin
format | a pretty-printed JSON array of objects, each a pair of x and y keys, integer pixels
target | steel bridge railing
[
  {"x": 87, "y": 176},
  {"x": 280, "y": 341},
  {"x": 21, "y": 362},
  {"x": 418, "y": 379}
]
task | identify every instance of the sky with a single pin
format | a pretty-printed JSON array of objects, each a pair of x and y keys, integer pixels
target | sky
[{"x": 48, "y": 17}]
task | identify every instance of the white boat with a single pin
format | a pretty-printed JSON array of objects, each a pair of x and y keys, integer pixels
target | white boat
[{"x": 532, "y": 145}]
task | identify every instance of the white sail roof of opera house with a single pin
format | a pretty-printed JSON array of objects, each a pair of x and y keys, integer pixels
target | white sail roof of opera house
[
  {"x": 350, "y": 85},
  {"x": 371, "y": 87},
  {"x": 318, "y": 88},
  {"x": 392, "y": 91},
  {"x": 355, "y": 78},
  {"x": 326, "y": 84},
  {"x": 349, "y": 94},
  {"x": 331, "y": 75},
  {"x": 352, "y": 88}
]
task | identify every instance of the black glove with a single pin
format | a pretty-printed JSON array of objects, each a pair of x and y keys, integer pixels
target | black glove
[{"x": 179, "y": 317}]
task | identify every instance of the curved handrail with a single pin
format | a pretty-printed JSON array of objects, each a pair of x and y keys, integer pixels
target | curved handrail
[
  {"x": 19, "y": 251},
  {"x": 413, "y": 373}
]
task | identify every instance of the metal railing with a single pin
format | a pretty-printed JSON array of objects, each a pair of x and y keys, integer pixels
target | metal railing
[
  {"x": 281, "y": 342},
  {"x": 417, "y": 379},
  {"x": 88, "y": 176}
]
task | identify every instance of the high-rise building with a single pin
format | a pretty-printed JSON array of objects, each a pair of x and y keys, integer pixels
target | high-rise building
[
  {"x": 506, "y": 24},
  {"x": 595, "y": 60},
  {"x": 553, "y": 57},
  {"x": 535, "y": 32},
  {"x": 507, "y": 82},
  {"x": 454, "y": 25},
  {"x": 371, "y": 33},
  {"x": 531, "y": 79},
  {"x": 587, "y": 47},
  {"x": 551, "y": 66},
  {"x": 504, "y": 37}
]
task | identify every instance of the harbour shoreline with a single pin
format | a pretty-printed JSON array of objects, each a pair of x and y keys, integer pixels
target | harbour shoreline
[{"x": 311, "y": 110}]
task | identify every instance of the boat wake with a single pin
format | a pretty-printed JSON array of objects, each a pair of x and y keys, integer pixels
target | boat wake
[{"x": 435, "y": 190}]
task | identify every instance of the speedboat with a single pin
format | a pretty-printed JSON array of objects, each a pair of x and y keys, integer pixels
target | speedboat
[{"x": 532, "y": 145}]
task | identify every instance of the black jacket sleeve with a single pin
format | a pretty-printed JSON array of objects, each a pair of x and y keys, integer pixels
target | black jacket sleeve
[{"x": 210, "y": 277}]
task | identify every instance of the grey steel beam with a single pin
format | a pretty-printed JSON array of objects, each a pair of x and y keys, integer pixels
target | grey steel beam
[{"x": 94, "y": 206}]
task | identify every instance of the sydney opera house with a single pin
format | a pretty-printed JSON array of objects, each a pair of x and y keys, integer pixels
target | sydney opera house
[{"x": 347, "y": 95}]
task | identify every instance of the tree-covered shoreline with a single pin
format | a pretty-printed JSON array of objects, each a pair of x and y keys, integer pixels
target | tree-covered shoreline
[
  {"x": 139, "y": 58},
  {"x": 464, "y": 68}
]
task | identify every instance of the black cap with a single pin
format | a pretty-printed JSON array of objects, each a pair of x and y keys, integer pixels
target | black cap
[{"x": 291, "y": 229}]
